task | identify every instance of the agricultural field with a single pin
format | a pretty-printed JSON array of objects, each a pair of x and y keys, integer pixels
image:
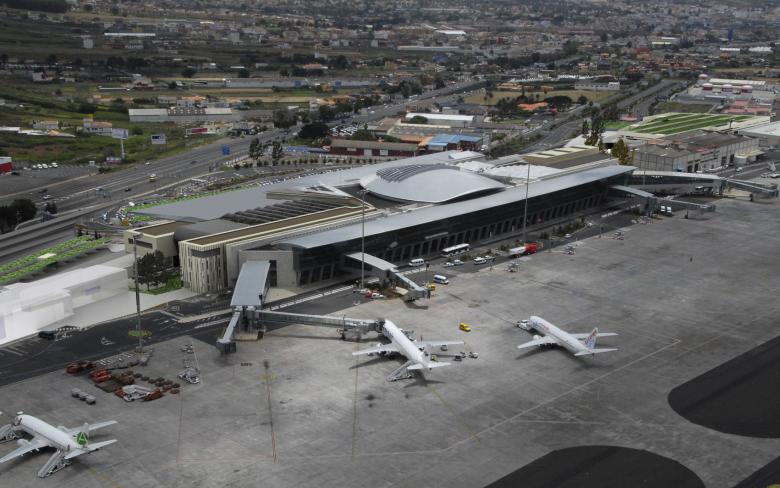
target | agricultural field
[
  {"x": 676, "y": 122},
  {"x": 480, "y": 98},
  {"x": 65, "y": 103}
]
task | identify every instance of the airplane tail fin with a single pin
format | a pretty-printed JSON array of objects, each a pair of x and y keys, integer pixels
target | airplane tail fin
[{"x": 590, "y": 342}]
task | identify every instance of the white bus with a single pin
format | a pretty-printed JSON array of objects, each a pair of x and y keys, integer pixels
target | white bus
[{"x": 453, "y": 250}]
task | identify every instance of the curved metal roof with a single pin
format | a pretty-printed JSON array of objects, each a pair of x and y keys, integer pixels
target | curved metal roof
[{"x": 431, "y": 183}]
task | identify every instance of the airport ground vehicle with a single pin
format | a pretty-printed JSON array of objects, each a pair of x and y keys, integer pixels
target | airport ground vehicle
[
  {"x": 441, "y": 279},
  {"x": 454, "y": 250},
  {"x": 480, "y": 260},
  {"x": 529, "y": 248},
  {"x": 417, "y": 262},
  {"x": 464, "y": 327},
  {"x": 47, "y": 334}
]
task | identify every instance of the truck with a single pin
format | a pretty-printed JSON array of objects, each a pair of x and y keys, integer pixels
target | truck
[
  {"x": 529, "y": 248},
  {"x": 6, "y": 166}
]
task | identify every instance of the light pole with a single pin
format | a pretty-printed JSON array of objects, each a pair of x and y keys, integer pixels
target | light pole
[
  {"x": 525, "y": 207},
  {"x": 137, "y": 295},
  {"x": 362, "y": 239}
]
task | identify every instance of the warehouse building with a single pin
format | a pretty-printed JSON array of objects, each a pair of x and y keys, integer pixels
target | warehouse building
[{"x": 696, "y": 151}]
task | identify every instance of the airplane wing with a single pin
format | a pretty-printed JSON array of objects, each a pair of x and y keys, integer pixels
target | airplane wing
[
  {"x": 25, "y": 446},
  {"x": 94, "y": 446},
  {"x": 88, "y": 428},
  {"x": 599, "y": 334},
  {"x": 374, "y": 350},
  {"x": 595, "y": 351},
  {"x": 538, "y": 342},
  {"x": 437, "y": 343},
  {"x": 429, "y": 366}
]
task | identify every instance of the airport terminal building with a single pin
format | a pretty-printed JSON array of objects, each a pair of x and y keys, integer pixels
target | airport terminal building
[{"x": 306, "y": 227}]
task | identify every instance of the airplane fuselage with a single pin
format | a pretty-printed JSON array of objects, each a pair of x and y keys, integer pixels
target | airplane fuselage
[
  {"x": 564, "y": 339},
  {"x": 404, "y": 344},
  {"x": 39, "y": 428}
]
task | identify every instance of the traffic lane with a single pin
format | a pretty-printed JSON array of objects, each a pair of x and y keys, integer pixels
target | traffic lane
[{"x": 40, "y": 356}]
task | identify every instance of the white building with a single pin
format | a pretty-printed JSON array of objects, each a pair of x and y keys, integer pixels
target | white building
[
  {"x": 25, "y": 308},
  {"x": 450, "y": 120}
]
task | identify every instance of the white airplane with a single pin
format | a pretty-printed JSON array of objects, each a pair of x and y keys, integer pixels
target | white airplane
[
  {"x": 418, "y": 353},
  {"x": 577, "y": 344},
  {"x": 69, "y": 443}
]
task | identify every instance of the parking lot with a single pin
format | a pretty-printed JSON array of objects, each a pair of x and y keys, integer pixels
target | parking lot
[{"x": 297, "y": 409}]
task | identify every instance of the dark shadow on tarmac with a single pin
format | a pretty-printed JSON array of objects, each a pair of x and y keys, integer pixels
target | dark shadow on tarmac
[
  {"x": 767, "y": 476},
  {"x": 738, "y": 397},
  {"x": 601, "y": 467}
]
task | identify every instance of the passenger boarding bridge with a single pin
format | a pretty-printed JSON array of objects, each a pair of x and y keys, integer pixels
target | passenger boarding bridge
[{"x": 250, "y": 321}]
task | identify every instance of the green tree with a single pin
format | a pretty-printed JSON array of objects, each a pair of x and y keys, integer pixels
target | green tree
[
  {"x": 188, "y": 72},
  {"x": 145, "y": 270},
  {"x": 276, "y": 152},
  {"x": 24, "y": 209},
  {"x": 314, "y": 130},
  {"x": 243, "y": 73},
  {"x": 363, "y": 135},
  {"x": 283, "y": 118},
  {"x": 418, "y": 119},
  {"x": 621, "y": 151}
]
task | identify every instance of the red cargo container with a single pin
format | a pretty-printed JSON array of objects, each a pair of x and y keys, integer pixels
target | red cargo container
[{"x": 6, "y": 167}]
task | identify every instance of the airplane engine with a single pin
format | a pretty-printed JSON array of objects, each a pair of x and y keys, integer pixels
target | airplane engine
[{"x": 537, "y": 337}]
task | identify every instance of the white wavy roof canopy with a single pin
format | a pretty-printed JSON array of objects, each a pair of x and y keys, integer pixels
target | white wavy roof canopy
[{"x": 430, "y": 183}]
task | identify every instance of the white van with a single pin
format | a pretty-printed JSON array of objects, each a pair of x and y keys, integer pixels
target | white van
[
  {"x": 480, "y": 260},
  {"x": 417, "y": 262},
  {"x": 441, "y": 279}
]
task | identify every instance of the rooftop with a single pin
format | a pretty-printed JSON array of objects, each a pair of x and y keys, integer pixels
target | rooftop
[
  {"x": 157, "y": 230},
  {"x": 440, "y": 212},
  {"x": 215, "y": 206},
  {"x": 431, "y": 183}
]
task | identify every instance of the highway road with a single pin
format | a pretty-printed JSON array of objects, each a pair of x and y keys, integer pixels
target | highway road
[
  {"x": 572, "y": 121},
  {"x": 85, "y": 195}
]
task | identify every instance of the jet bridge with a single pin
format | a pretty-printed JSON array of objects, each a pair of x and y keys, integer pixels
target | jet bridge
[
  {"x": 758, "y": 190},
  {"x": 250, "y": 321},
  {"x": 387, "y": 271}
]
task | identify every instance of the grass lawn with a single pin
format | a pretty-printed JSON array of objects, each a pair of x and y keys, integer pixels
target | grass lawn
[
  {"x": 675, "y": 123},
  {"x": 171, "y": 285},
  {"x": 692, "y": 108},
  {"x": 617, "y": 124},
  {"x": 595, "y": 96}
]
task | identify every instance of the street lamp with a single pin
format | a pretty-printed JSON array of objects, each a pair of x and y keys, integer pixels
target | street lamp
[
  {"x": 362, "y": 194},
  {"x": 525, "y": 207},
  {"x": 137, "y": 294}
]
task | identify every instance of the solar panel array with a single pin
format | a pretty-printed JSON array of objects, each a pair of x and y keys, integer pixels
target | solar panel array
[
  {"x": 400, "y": 173},
  {"x": 296, "y": 208}
]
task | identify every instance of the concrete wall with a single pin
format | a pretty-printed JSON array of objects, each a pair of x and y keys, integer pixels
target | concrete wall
[
  {"x": 149, "y": 244},
  {"x": 285, "y": 266}
]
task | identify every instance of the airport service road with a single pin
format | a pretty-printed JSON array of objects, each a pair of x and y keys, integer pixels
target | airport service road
[{"x": 297, "y": 409}]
